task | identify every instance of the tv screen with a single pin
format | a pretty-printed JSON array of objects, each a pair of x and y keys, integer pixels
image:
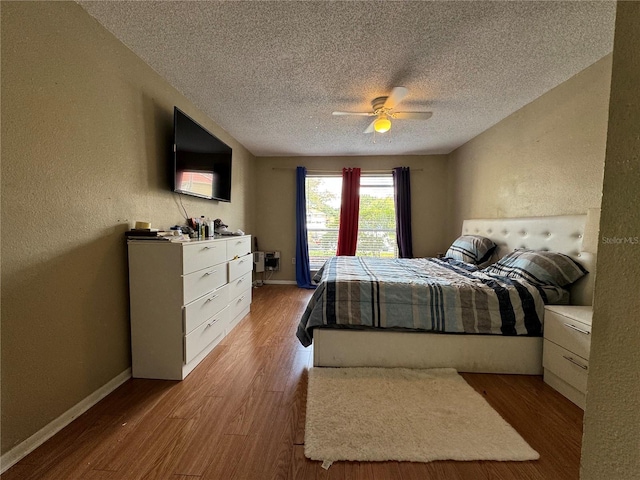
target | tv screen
[{"x": 202, "y": 163}]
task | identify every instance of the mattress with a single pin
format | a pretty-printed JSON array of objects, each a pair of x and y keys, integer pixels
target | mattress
[{"x": 421, "y": 294}]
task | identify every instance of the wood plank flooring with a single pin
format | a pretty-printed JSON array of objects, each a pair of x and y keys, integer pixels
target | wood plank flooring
[{"x": 240, "y": 415}]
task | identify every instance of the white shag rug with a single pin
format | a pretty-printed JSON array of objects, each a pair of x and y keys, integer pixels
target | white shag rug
[{"x": 379, "y": 414}]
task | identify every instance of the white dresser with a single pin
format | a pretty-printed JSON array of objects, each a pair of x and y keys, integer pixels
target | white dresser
[
  {"x": 565, "y": 358},
  {"x": 184, "y": 299}
]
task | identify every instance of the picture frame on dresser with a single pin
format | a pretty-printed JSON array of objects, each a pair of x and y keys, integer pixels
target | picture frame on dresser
[{"x": 185, "y": 297}]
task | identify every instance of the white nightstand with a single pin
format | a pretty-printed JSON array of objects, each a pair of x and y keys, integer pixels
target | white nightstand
[{"x": 565, "y": 357}]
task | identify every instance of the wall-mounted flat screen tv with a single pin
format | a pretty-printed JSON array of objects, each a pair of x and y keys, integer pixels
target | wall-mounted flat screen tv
[{"x": 202, "y": 162}]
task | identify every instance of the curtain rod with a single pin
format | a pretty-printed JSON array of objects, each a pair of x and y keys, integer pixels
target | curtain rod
[{"x": 339, "y": 172}]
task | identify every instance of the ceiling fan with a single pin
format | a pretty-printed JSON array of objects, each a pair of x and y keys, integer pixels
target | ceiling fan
[{"x": 383, "y": 110}]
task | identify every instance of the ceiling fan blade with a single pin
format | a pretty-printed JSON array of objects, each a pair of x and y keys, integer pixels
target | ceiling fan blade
[
  {"x": 369, "y": 129},
  {"x": 395, "y": 97},
  {"x": 413, "y": 115},
  {"x": 363, "y": 114}
]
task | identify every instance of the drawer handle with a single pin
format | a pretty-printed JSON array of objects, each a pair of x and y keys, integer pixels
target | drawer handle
[
  {"x": 240, "y": 281},
  {"x": 573, "y": 327},
  {"x": 240, "y": 299},
  {"x": 212, "y": 322},
  {"x": 241, "y": 261},
  {"x": 209, "y": 247},
  {"x": 584, "y": 367},
  {"x": 211, "y": 272},
  {"x": 211, "y": 299}
]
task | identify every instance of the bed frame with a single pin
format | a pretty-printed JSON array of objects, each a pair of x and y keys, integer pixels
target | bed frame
[{"x": 467, "y": 353}]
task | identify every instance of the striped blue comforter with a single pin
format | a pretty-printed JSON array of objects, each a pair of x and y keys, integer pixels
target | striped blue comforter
[{"x": 429, "y": 294}]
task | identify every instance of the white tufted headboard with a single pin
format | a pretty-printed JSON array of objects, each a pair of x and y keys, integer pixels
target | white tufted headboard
[{"x": 562, "y": 233}]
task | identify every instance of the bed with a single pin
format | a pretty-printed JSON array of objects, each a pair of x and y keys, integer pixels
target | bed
[{"x": 371, "y": 328}]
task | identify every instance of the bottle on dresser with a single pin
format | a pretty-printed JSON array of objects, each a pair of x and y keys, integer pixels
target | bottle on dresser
[{"x": 203, "y": 228}]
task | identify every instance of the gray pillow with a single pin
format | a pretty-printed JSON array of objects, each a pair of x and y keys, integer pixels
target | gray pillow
[
  {"x": 538, "y": 267},
  {"x": 472, "y": 249}
]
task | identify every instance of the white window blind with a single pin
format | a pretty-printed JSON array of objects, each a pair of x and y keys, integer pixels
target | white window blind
[
  {"x": 376, "y": 225},
  {"x": 377, "y": 218}
]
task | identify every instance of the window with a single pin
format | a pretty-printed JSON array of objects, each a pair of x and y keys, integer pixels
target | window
[
  {"x": 376, "y": 223},
  {"x": 323, "y": 217},
  {"x": 377, "y": 218}
]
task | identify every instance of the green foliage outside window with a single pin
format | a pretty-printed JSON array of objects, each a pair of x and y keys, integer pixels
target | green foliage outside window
[{"x": 376, "y": 224}]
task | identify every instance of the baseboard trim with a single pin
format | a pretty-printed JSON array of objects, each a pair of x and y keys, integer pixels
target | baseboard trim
[
  {"x": 20, "y": 451},
  {"x": 279, "y": 282}
]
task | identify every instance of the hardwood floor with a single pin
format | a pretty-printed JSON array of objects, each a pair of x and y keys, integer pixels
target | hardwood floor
[{"x": 240, "y": 415}]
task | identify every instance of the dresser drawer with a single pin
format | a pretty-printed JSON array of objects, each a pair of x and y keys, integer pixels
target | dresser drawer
[
  {"x": 238, "y": 247},
  {"x": 240, "y": 266},
  {"x": 239, "y": 303},
  {"x": 205, "y": 307},
  {"x": 567, "y": 365},
  {"x": 571, "y": 334},
  {"x": 198, "y": 283},
  {"x": 207, "y": 332},
  {"x": 202, "y": 255},
  {"x": 239, "y": 285}
]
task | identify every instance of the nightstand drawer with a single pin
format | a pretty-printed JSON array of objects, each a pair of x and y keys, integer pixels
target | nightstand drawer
[
  {"x": 568, "y": 366},
  {"x": 571, "y": 334}
]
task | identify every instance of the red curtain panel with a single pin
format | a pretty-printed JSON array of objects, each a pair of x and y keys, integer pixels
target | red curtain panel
[{"x": 349, "y": 210}]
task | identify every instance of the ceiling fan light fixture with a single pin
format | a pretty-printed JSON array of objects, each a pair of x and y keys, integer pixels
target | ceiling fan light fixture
[
  {"x": 382, "y": 124},
  {"x": 383, "y": 110}
]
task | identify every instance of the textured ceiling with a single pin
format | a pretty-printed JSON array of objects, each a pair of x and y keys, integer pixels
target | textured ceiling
[{"x": 271, "y": 73}]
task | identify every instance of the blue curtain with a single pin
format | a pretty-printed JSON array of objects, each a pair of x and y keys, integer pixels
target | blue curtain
[
  {"x": 303, "y": 271},
  {"x": 402, "y": 197}
]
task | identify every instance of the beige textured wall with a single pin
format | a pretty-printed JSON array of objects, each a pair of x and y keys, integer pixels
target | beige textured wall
[
  {"x": 611, "y": 444},
  {"x": 545, "y": 159},
  {"x": 276, "y": 190},
  {"x": 86, "y": 133}
]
